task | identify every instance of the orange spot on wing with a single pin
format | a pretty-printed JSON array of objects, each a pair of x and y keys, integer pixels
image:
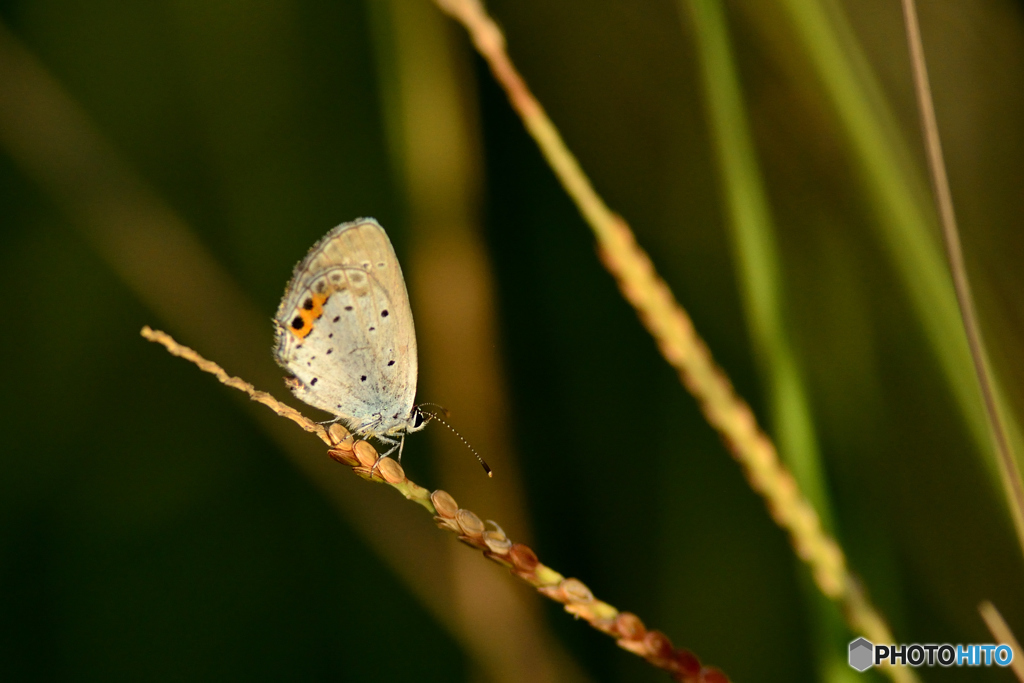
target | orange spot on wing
[{"x": 308, "y": 314}]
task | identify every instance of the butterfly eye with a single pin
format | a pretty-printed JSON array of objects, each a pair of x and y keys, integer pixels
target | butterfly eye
[{"x": 417, "y": 418}]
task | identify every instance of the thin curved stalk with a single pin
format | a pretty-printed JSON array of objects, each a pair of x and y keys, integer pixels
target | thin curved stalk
[
  {"x": 1001, "y": 633},
  {"x": 903, "y": 219},
  {"x": 1008, "y": 469}
]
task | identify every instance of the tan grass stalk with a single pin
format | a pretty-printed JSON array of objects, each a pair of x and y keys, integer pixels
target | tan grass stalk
[
  {"x": 1001, "y": 633},
  {"x": 1008, "y": 470},
  {"x": 628, "y": 630},
  {"x": 903, "y": 220},
  {"x": 679, "y": 343},
  {"x": 263, "y": 397}
]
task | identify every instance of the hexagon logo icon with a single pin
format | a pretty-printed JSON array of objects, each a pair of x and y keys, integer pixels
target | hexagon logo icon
[{"x": 861, "y": 651}]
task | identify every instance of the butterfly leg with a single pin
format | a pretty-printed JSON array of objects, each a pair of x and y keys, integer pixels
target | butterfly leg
[
  {"x": 381, "y": 456},
  {"x": 365, "y": 430}
]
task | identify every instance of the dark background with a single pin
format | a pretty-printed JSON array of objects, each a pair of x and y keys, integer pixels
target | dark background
[{"x": 150, "y": 528}]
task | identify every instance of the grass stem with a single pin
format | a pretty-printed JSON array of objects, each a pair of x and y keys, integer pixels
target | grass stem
[{"x": 1008, "y": 470}]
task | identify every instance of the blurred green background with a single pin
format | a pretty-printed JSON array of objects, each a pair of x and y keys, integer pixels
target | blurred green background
[{"x": 167, "y": 163}]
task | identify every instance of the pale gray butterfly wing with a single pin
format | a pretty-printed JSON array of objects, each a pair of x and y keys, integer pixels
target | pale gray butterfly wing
[{"x": 345, "y": 331}]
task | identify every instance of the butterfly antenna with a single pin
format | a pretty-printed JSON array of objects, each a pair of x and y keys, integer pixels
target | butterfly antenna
[{"x": 454, "y": 431}]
